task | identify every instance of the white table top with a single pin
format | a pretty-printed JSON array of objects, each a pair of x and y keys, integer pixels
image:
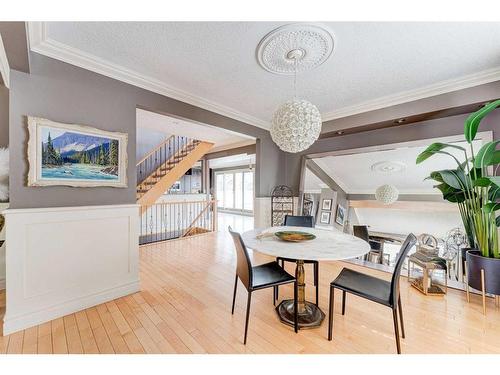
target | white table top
[{"x": 328, "y": 244}]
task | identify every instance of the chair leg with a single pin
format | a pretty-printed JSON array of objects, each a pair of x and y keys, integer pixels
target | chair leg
[
  {"x": 296, "y": 306},
  {"x": 316, "y": 281},
  {"x": 274, "y": 295},
  {"x": 234, "y": 293},
  {"x": 400, "y": 307},
  {"x": 343, "y": 302},
  {"x": 396, "y": 329},
  {"x": 248, "y": 315},
  {"x": 330, "y": 313}
]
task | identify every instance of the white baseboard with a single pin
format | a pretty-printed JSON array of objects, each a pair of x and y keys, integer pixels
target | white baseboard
[
  {"x": 14, "y": 324},
  {"x": 62, "y": 260}
]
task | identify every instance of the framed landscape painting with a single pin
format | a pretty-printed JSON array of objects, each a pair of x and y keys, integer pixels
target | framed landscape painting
[{"x": 75, "y": 155}]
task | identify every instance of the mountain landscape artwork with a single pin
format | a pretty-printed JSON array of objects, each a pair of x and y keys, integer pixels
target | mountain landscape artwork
[
  {"x": 78, "y": 156},
  {"x": 75, "y": 155}
]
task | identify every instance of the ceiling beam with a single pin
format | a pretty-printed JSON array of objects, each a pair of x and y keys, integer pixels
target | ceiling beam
[
  {"x": 439, "y": 106},
  {"x": 406, "y": 206},
  {"x": 4, "y": 66},
  {"x": 15, "y": 41}
]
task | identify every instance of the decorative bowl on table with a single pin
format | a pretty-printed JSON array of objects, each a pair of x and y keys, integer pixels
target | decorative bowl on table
[{"x": 294, "y": 236}]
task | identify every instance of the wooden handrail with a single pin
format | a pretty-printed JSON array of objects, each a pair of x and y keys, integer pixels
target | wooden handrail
[
  {"x": 153, "y": 150},
  {"x": 182, "y": 202},
  {"x": 191, "y": 226},
  {"x": 171, "y": 159}
]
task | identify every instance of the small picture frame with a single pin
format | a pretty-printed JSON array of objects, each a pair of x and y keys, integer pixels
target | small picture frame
[
  {"x": 325, "y": 217},
  {"x": 340, "y": 217},
  {"x": 327, "y": 205}
]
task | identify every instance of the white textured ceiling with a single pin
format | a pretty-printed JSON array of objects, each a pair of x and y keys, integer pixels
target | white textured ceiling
[
  {"x": 312, "y": 183},
  {"x": 221, "y": 138},
  {"x": 214, "y": 65},
  {"x": 240, "y": 160},
  {"x": 353, "y": 172}
]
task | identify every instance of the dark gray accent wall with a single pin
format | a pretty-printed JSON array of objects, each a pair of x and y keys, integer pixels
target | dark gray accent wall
[
  {"x": 4, "y": 116},
  {"x": 423, "y": 130},
  {"x": 438, "y": 103},
  {"x": 68, "y": 94}
]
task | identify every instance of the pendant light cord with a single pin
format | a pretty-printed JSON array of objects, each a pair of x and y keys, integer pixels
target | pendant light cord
[{"x": 295, "y": 78}]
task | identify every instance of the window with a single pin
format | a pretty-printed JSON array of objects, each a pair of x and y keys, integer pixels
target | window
[
  {"x": 248, "y": 191},
  {"x": 228, "y": 190},
  {"x": 238, "y": 190},
  {"x": 235, "y": 191}
]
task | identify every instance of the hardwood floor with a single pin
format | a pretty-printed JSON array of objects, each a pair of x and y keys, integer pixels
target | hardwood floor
[{"x": 185, "y": 307}]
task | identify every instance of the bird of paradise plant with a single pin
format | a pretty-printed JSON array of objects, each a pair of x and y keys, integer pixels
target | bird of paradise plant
[{"x": 474, "y": 185}]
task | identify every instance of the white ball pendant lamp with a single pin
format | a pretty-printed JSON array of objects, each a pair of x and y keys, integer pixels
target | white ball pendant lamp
[
  {"x": 296, "y": 124},
  {"x": 386, "y": 194}
]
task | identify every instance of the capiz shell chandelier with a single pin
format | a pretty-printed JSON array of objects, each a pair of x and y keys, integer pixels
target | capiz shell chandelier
[
  {"x": 289, "y": 49},
  {"x": 296, "y": 125},
  {"x": 387, "y": 194}
]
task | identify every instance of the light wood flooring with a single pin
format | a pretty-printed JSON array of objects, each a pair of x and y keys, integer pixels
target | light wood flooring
[{"x": 185, "y": 307}]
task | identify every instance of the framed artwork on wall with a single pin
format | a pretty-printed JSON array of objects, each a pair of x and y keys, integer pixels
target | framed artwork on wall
[
  {"x": 75, "y": 155},
  {"x": 325, "y": 218},
  {"x": 340, "y": 217},
  {"x": 327, "y": 205}
]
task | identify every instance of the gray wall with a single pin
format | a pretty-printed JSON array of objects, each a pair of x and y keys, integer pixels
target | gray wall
[
  {"x": 65, "y": 93},
  {"x": 4, "y": 116},
  {"x": 427, "y": 129},
  {"x": 147, "y": 140}
]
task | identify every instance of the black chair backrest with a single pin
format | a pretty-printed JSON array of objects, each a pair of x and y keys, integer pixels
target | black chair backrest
[
  {"x": 243, "y": 263},
  {"x": 410, "y": 241},
  {"x": 361, "y": 231},
  {"x": 299, "y": 221}
]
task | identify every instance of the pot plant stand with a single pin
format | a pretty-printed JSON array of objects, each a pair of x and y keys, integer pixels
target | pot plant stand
[{"x": 482, "y": 274}]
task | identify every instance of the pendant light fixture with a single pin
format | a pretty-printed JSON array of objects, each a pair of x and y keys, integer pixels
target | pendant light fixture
[{"x": 296, "y": 124}]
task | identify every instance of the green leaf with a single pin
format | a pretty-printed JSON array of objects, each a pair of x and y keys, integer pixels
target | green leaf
[
  {"x": 495, "y": 180},
  {"x": 436, "y": 176},
  {"x": 453, "y": 177},
  {"x": 491, "y": 207},
  {"x": 435, "y": 148},
  {"x": 494, "y": 193},
  {"x": 450, "y": 194},
  {"x": 482, "y": 182},
  {"x": 473, "y": 121},
  {"x": 486, "y": 155}
]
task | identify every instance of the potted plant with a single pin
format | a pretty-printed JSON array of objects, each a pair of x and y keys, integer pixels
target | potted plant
[{"x": 475, "y": 187}]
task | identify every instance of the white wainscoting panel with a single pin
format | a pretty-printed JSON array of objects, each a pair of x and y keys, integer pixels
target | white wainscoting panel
[
  {"x": 262, "y": 211},
  {"x": 3, "y": 206},
  {"x": 63, "y": 260}
]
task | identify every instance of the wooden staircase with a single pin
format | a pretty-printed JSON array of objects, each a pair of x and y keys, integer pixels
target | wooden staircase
[{"x": 166, "y": 164}]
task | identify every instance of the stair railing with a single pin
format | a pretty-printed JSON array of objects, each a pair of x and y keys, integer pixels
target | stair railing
[
  {"x": 171, "y": 220},
  {"x": 157, "y": 163}
]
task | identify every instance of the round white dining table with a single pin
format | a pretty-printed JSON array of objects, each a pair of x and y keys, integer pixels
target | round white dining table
[{"x": 327, "y": 246}]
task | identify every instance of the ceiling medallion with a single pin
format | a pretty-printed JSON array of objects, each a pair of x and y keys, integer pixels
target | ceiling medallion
[
  {"x": 388, "y": 167},
  {"x": 295, "y": 48}
]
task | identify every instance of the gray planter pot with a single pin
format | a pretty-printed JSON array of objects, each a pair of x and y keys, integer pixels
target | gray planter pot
[{"x": 491, "y": 266}]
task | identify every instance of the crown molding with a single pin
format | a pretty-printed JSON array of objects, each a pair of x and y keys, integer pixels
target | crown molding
[
  {"x": 443, "y": 87},
  {"x": 4, "y": 65},
  {"x": 40, "y": 43}
]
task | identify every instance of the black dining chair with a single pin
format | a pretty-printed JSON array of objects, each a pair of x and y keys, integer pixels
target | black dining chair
[
  {"x": 377, "y": 248},
  {"x": 258, "y": 277},
  {"x": 301, "y": 221},
  {"x": 373, "y": 289}
]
